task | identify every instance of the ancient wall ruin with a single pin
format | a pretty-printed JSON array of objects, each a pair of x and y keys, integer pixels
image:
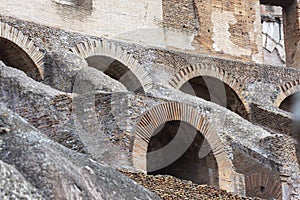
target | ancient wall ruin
[{"x": 119, "y": 102}]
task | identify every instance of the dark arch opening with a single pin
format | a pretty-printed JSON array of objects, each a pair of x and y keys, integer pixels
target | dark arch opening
[
  {"x": 117, "y": 71},
  {"x": 263, "y": 185},
  {"x": 260, "y": 180},
  {"x": 214, "y": 90},
  {"x": 14, "y": 56},
  {"x": 193, "y": 158},
  {"x": 288, "y": 102}
]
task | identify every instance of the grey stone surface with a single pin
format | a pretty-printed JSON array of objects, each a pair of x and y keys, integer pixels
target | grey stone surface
[
  {"x": 44, "y": 107},
  {"x": 116, "y": 114},
  {"x": 69, "y": 73},
  {"x": 53, "y": 171},
  {"x": 14, "y": 186},
  {"x": 90, "y": 79}
]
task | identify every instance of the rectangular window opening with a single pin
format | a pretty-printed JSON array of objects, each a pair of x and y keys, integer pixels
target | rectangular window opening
[{"x": 273, "y": 35}]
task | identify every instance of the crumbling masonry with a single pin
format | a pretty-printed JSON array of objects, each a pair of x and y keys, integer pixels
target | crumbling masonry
[{"x": 167, "y": 86}]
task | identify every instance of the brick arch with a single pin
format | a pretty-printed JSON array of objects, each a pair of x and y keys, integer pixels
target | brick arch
[
  {"x": 287, "y": 89},
  {"x": 263, "y": 185},
  {"x": 92, "y": 48},
  {"x": 174, "y": 111},
  {"x": 197, "y": 70},
  {"x": 20, "y": 52}
]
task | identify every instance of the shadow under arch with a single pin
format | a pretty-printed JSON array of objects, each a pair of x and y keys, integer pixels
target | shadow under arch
[
  {"x": 116, "y": 63},
  {"x": 288, "y": 103},
  {"x": 212, "y": 84},
  {"x": 287, "y": 96},
  {"x": 209, "y": 88},
  {"x": 189, "y": 166},
  {"x": 161, "y": 114},
  {"x": 263, "y": 185},
  {"x": 18, "y": 51},
  {"x": 117, "y": 71},
  {"x": 260, "y": 181}
]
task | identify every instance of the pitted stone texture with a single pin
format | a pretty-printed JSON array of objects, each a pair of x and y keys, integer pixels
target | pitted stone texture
[
  {"x": 58, "y": 173},
  {"x": 281, "y": 146},
  {"x": 225, "y": 28},
  {"x": 90, "y": 79},
  {"x": 47, "y": 109},
  {"x": 14, "y": 186},
  {"x": 61, "y": 70},
  {"x": 273, "y": 119}
]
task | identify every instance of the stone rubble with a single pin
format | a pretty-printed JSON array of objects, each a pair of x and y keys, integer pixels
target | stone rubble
[{"x": 168, "y": 188}]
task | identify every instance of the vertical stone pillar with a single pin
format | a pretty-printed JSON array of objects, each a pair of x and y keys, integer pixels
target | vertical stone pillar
[
  {"x": 290, "y": 181},
  {"x": 285, "y": 187},
  {"x": 291, "y": 17},
  {"x": 239, "y": 184}
]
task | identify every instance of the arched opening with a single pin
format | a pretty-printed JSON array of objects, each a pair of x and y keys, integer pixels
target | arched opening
[
  {"x": 191, "y": 156},
  {"x": 213, "y": 89},
  {"x": 273, "y": 34},
  {"x": 14, "y": 56},
  {"x": 260, "y": 180},
  {"x": 288, "y": 102},
  {"x": 286, "y": 12},
  {"x": 117, "y": 71},
  {"x": 263, "y": 185}
]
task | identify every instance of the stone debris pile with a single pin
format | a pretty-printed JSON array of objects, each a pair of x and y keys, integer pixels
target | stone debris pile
[{"x": 169, "y": 188}]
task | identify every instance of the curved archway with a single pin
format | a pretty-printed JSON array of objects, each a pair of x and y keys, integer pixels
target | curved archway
[
  {"x": 116, "y": 63},
  {"x": 288, "y": 103},
  {"x": 212, "y": 84},
  {"x": 18, "y": 51},
  {"x": 214, "y": 90},
  {"x": 286, "y": 97},
  {"x": 152, "y": 120},
  {"x": 200, "y": 169},
  {"x": 263, "y": 185}
]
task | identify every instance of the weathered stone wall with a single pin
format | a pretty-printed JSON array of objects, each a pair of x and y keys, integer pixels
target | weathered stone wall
[
  {"x": 162, "y": 65},
  {"x": 47, "y": 109},
  {"x": 292, "y": 32},
  {"x": 226, "y": 29},
  {"x": 180, "y": 15},
  {"x": 276, "y": 121},
  {"x": 85, "y": 4},
  {"x": 230, "y": 29},
  {"x": 38, "y": 168},
  {"x": 291, "y": 24},
  {"x": 119, "y": 114}
]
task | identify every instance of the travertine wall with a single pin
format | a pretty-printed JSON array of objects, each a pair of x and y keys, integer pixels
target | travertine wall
[{"x": 223, "y": 28}]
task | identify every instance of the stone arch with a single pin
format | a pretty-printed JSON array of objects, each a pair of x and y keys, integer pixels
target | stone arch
[
  {"x": 286, "y": 91},
  {"x": 202, "y": 70},
  {"x": 18, "y": 51},
  {"x": 121, "y": 61},
  {"x": 263, "y": 185},
  {"x": 174, "y": 111}
]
